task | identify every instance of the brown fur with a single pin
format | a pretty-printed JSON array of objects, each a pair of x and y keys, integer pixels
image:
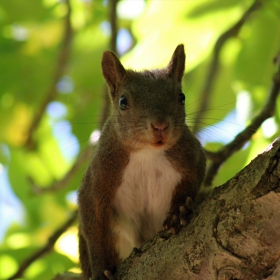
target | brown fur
[{"x": 154, "y": 116}]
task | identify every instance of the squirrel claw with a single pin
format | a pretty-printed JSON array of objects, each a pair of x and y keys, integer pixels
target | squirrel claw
[
  {"x": 175, "y": 221},
  {"x": 172, "y": 223}
]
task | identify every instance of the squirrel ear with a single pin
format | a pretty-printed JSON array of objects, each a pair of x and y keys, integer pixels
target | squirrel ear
[
  {"x": 112, "y": 70},
  {"x": 176, "y": 66}
]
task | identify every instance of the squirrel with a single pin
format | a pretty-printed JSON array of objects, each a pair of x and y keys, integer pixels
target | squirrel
[{"x": 145, "y": 169}]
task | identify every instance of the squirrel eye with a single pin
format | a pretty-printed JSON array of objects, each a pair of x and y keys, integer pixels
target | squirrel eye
[
  {"x": 123, "y": 103},
  {"x": 182, "y": 98}
]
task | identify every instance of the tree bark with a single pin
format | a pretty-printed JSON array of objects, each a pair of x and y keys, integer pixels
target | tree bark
[{"x": 234, "y": 234}]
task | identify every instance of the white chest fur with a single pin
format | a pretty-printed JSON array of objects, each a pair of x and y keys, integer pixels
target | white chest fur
[{"x": 143, "y": 199}]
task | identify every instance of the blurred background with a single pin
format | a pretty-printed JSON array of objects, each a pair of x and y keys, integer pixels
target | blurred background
[{"x": 53, "y": 101}]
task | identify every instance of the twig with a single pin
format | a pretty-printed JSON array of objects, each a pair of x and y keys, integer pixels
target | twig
[
  {"x": 56, "y": 186},
  {"x": 114, "y": 26},
  {"x": 84, "y": 155},
  {"x": 113, "y": 48},
  {"x": 268, "y": 111},
  {"x": 215, "y": 63},
  {"x": 46, "y": 249},
  {"x": 62, "y": 60}
]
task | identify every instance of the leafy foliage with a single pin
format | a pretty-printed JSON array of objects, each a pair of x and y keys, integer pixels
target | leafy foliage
[{"x": 31, "y": 36}]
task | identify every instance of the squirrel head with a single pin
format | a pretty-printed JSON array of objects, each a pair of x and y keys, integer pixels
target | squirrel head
[{"x": 148, "y": 106}]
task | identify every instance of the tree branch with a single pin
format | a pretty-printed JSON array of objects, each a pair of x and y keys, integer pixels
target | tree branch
[
  {"x": 46, "y": 249},
  {"x": 84, "y": 155},
  {"x": 62, "y": 60},
  {"x": 239, "y": 141},
  {"x": 233, "y": 235},
  {"x": 114, "y": 25},
  {"x": 113, "y": 48},
  {"x": 206, "y": 91},
  {"x": 56, "y": 186}
]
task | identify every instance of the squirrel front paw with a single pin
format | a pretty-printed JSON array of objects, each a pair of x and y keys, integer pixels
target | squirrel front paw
[{"x": 175, "y": 220}]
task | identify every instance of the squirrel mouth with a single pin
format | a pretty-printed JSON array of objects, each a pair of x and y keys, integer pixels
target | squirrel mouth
[{"x": 158, "y": 144}]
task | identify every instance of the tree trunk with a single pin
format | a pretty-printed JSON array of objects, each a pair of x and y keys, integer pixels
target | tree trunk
[{"x": 234, "y": 234}]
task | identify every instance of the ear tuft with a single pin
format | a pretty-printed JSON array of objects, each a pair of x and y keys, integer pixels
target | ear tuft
[
  {"x": 176, "y": 66},
  {"x": 112, "y": 70}
]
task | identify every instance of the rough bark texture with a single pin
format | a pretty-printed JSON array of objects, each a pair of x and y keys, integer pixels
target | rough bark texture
[{"x": 235, "y": 233}]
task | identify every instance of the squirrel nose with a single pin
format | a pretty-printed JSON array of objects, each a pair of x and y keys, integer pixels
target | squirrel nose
[{"x": 159, "y": 126}]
